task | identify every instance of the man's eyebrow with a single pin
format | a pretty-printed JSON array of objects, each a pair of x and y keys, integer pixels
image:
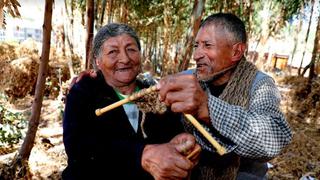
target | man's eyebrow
[
  {"x": 132, "y": 44},
  {"x": 207, "y": 41}
]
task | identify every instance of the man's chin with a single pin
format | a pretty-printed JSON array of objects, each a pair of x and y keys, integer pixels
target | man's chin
[{"x": 201, "y": 75}]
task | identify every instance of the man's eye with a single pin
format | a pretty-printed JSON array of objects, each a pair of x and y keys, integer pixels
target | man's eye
[
  {"x": 208, "y": 45},
  {"x": 132, "y": 49},
  {"x": 195, "y": 45}
]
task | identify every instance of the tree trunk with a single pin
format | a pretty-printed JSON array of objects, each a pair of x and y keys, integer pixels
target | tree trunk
[
  {"x": 250, "y": 18},
  {"x": 1, "y": 14},
  {"x": 166, "y": 36},
  {"x": 124, "y": 12},
  {"x": 28, "y": 142},
  {"x": 110, "y": 10},
  {"x": 96, "y": 5},
  {"x": 69, "y": 37},
  {"x": 198, "y": 9},
  {"x": 63, "y": 39},
  {"x": 104, "y": 4},
  {"x": 66, "y": 36},
  {"x": 315, "y": 54},
  {"x": 264, "y": 35},
  {"x": 90, "y": 20},
  {"x": 296, "y": 35},
  {"x": 154, "y": 51},
  {"x": 307, "y": 37}
]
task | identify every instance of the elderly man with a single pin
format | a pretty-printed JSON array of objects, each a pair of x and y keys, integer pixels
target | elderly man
[{"x": 237, "y": 103}]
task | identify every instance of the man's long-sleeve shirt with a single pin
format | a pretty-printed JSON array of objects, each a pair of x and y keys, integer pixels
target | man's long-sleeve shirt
[{"x": 257, "y": 132}]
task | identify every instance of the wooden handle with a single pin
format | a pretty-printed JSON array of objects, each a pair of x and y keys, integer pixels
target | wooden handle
[
  {"x": 221, "y": 150},
  {"x": 111, "y": 106},
  {"x": 132, "y": 97},
  {"x": 194, "y": 152}
]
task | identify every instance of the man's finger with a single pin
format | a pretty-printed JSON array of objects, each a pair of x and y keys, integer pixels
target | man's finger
[{"x": 73, "y": 81}]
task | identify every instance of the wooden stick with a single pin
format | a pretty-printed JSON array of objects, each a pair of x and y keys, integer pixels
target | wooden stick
[
  {"x": 112, "y": 106},
  {"x": 194, "y": 152},
  {"x": 132, "y": 97},
  {"x": 221, "y": 150}
]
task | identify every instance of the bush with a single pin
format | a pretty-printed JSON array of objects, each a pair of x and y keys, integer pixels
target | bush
[
  {"x": 20, "y": 65},
  {"x": 12, "y": 127}
]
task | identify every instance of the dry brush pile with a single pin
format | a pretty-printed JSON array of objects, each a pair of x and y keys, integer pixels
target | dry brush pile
[
  {"x": 20, "y": 64},
  {"x": 302, "y": 109}
]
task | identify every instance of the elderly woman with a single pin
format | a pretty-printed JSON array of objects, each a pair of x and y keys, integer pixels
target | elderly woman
[{"x": 112, "y": 145}]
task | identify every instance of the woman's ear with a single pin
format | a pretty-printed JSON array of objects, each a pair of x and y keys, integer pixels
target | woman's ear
[
  {"x": 97, "y": 60},
  {"x": 238, "y": 51}
]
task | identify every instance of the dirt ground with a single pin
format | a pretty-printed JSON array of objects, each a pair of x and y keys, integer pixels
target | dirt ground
[{"x": 301, "y": 159}]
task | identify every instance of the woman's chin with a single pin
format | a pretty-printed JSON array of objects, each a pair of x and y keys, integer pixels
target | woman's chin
[{"x": 124, "y": 80}]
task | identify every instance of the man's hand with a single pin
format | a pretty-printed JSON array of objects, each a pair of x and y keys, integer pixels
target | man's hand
[
  {"x": 163, "y": 161},
  {"x": 184, "y": 94},
  {"x": 169, "y": 161},
  {"x": 186, "y": 144},
  {"x": 88, "y": 72},
  {"x": 74, "y": 80}
]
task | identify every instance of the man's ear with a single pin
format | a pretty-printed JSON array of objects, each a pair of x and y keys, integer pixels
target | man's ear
[{"x": 238, "y": 51}]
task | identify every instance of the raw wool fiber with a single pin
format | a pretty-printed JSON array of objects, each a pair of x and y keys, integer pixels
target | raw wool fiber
[
  {"x": 151, "y": 103},
  {"x": 148, "y": 102}
]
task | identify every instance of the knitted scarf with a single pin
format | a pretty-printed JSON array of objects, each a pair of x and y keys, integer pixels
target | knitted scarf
[{"x": 236, "y": 92}]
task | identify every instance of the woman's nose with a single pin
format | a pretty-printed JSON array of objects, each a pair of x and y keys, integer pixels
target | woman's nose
[{"x": 124, "y": 57}]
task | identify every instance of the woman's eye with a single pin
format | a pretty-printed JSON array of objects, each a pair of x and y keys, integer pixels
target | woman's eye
[{"x": 111, "y": 51}]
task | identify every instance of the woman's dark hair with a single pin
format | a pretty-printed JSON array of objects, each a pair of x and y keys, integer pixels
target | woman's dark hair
[{"x": 108, "y": 31}]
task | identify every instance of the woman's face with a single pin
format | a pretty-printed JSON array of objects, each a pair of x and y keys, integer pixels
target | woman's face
[{"x": 119, "y": 60}]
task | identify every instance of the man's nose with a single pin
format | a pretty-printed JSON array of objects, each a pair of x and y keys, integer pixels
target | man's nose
[{"x": 198, "y": 53}]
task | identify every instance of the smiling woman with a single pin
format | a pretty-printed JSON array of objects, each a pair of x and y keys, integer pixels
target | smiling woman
[
  {"x": 113, "y": 144},
  {"x": 120, "y": 61},
  {"x": 118, "y": 57}
]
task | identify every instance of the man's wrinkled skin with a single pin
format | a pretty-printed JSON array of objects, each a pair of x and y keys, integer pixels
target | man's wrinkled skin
[
  {"x": 164, "y": 161},
  {"x": 213, "y": 52},
  {"x": 184, "y": 94}
]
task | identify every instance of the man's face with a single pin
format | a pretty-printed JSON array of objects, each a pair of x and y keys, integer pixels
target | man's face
[
  {"x": 119, "y": 60},
  {"x": 212, "y": 51}
]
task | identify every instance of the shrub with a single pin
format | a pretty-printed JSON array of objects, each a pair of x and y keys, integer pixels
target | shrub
[{"x": 12, "y": 126}]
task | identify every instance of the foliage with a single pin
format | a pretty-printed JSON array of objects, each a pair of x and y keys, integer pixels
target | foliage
[
  {"x": 164, "y": 25},
  {"x": 12, "y": 126},
  {"x": 11, "y": 6}
]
